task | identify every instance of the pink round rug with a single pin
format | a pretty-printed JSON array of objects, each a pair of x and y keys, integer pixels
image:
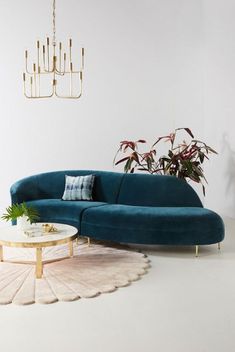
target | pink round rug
[{"x": 93, "y": 270}]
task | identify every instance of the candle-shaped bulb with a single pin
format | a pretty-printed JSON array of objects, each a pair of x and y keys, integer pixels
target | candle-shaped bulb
[
  {"x": 34, "y": 67},
  {"x": 81, "y": 75},
  {"x": 24, "y": 77},
  {"x": 64, "y": 56},
  {"x": 31, "y": 80},
  {"x": 26, "y": 54},
  {"x": 48, "y": 42},
  {"x": 38, "y": 44},
  {"x": 39, "y": 69},
  {"x": 60, "y": 46},
  {"x": 70, "y": 42},
  {"x": 82, "y": 58},
  {"x": 71, "y": 66},
  {"x": 43, "y": 49}
]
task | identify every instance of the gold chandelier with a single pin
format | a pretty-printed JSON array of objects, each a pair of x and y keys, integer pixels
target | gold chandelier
[{"x": 53, "y": 62}]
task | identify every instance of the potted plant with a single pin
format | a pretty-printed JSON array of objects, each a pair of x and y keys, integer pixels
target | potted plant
[
  {"x": 183, "y": 160},
  {"x": 21, "y": 213}
]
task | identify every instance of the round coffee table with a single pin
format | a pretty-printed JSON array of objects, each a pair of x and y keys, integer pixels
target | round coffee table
[{"x": 12, "y": 237}]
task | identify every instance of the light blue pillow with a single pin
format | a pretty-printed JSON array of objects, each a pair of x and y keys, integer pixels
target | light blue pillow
[{"x": 78, "y": 187}]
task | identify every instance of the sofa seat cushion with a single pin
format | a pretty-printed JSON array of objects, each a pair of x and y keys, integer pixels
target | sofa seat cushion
[
  {"x": 153, "y": 225},
  {"x": 57, "y": 210}
]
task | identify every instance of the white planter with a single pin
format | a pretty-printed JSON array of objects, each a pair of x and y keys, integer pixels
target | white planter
[{"x": 22, "y": 223}]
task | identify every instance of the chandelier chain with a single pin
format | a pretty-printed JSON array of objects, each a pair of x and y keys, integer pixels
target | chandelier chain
[{"x": 54, "y": 23}]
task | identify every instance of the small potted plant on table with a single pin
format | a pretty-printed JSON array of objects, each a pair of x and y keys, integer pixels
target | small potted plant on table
[{"x": 22, "y": 214}]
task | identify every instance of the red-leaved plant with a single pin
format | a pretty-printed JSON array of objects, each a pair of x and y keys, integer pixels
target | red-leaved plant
[{"x": 183, "y": 160}]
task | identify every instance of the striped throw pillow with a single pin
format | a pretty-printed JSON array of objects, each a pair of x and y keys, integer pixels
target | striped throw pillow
[{"x": 78, "y": 187}]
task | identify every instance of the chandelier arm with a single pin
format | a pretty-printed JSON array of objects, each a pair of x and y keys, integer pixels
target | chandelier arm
[
  {"x": 28, "y": 72},
  {"x": 44, "y": 67},
  {"x": 26, "y": 64},
  {"x": 54, "y": 23},
  {"x": 41, "y": 72},
  {"x": 35, "y": 83},
  {"x": 44, "y": 72},
  {"x": 39, "y": 97},
  {"x": 35, "y": 96},
  {"x": 62, "y": 73},
  {"x": 70, "y": 96}
]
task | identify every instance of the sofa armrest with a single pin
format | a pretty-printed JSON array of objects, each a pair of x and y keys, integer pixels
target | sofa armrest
[{"x": 24, "y": 190}]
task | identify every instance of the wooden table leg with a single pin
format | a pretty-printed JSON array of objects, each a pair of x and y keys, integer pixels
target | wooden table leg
[
  {"x": 39, "y": 268},
  {"x": 1, "y": 254},
  {"x": 71, "y": 249}
]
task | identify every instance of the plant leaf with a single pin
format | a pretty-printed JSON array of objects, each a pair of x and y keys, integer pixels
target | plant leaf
[
  {"x": 187, "y": 130},
  {"x": 204, "y": 190},
  {"x": 121, "y": 160},
  {"x": 135, "y": 157}
]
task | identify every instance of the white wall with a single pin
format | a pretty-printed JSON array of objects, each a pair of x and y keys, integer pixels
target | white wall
[
  {"x": 220, "y": 102},
  {"x": 149, "y": 68}
]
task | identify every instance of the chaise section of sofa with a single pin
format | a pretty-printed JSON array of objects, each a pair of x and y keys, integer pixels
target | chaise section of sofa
[
  {"x": 153, "y": 225},
  {"x": 131, "y": 208},
  {"x": 155, "y": 210}
]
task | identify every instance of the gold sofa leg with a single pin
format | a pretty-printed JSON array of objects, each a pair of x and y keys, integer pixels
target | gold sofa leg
[
  {"x": 219, "y": 246},
  {"x": 196, "y": 250}
]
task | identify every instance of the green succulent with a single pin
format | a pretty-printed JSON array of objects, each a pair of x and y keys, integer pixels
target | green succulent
[{"x": 17, "y": 210}]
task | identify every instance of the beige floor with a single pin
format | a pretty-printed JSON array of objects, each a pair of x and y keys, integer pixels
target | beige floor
[{"x": 183, "y": 304}]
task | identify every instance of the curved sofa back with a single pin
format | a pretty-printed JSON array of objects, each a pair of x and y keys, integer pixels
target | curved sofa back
[
  {"x": 51, "y": 185},
  {"x": 111, "y": 187},
  {"x": 156, "y": 190}
]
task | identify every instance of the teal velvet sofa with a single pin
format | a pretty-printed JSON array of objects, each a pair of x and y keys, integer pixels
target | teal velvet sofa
[{"x": 131, "y": 208}]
